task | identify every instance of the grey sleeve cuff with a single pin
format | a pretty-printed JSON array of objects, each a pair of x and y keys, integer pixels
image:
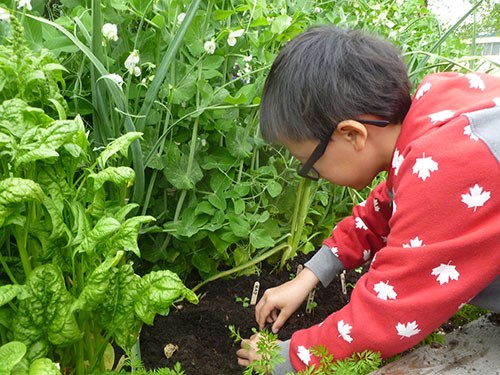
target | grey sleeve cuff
[
  {"x": 285, "y": 367},
  {"x": 325, "y": 265}
]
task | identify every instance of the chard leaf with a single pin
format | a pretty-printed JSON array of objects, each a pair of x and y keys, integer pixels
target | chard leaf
[
  {"x": 11, "y": 117},
  {"x": 8, "y": 293},
  {"x": 104, "y": 229},
  {"x": 39, "y": 153},
  {"x": 116, "y": 312},
  {"x": 44, "y": 366},
  {"x": 96, "y": 286},
  {"x": 10, "y": 355},
  {"x": 119, "y": 145},
  {"x": 157, "y": 292},
  {"x": 44, "y": 310},
  {"x": 118, "y": 175},
  {"x": 126, "y": 238},
  {"x": 16, "y": 190}
]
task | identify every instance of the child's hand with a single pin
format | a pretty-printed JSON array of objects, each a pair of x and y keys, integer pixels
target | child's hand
[
  {"x": 279, "y": 303},
  {"x": 248, "y": 352}
]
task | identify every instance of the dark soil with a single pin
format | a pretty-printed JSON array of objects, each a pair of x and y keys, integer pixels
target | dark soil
[{"x": 201, "y": 333}]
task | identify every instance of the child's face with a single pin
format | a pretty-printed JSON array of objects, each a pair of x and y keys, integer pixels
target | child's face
[{"x": 344, "y": 162}]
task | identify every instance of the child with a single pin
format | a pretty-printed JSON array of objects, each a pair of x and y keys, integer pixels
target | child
[{"x": 340, "y": 102}]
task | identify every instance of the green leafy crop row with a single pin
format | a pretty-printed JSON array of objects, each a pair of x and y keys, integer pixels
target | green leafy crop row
[{"x": 68, "y": 287}]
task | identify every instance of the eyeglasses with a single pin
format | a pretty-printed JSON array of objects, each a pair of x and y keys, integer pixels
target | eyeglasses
[{"x": 307, "y": 171}]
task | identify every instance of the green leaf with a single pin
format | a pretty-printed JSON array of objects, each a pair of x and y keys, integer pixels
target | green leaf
[
  {"x": 11, "y": 354},
  {"x": 238, "y": 143},
  {"x": 15, "y": 190},
  {"x": 280, "y": 24},
  {"x": 44, "y": 310},
  {"x": 120, "y": 176},
  {"x": 8, "y": 293},
  {"x": 239, "y": 225},
  {"x": 218, "y": 200},
  {"x": 274, "y": 188},
  {"x": 44, "y": 366},
  {"x": 260, "y": 238},
  {"x": 157, "y": 292},
  {"x": 96, "y": 286},
  {"x": 119, "y": 145},
  {"x": 116, "y": 313},
  {"x": 178, "y": 171},
  {"x": 126, "y": 238},
  {"x": 104, "y": 229}
]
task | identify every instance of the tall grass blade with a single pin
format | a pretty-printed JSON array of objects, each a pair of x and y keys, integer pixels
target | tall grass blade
[{"x": 162, "y": 71}]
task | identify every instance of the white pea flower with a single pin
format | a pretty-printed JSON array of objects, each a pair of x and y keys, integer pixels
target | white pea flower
[
  {"x": 181, "y": 17},
  {"x": 318, "y": 10},
  {"x": 136, "y": 71},
  {"x": 25, "y": 3},
  {"x": 117, "y": 78},
  {"x": 4, "y": 15},
  {"x": 231, "y": 39},
  {"x": 210, "y": 46},
  {"x": 248, "y": 58},
  {"x": 110, "y": 31},
  {"x": 132, "y": 62}
]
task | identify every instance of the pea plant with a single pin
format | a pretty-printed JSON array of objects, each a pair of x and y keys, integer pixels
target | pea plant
[{"x": 68, "y": 236}]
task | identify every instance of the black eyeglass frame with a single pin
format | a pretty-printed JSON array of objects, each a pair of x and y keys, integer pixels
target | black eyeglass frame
[{"x": 307, "y": 171}]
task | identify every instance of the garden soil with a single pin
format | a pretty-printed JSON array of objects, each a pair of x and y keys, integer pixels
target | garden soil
[{"x": 198, "y": 336}]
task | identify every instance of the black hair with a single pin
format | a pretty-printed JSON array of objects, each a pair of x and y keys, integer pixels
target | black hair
[{"x": 327, "y": 75}]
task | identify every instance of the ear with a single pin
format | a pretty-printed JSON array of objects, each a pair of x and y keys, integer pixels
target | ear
[{"x": 353, "y": 132}]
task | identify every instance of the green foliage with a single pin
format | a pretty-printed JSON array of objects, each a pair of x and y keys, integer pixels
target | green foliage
[
  {"x": 220, "y": 196},
  {"x": 358, "y": 364},
  {"x": 67, "y": 232},
  {"x": 267, "y": 348}
]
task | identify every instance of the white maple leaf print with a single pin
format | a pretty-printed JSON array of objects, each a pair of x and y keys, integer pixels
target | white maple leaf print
[
  {"x": 468, "y": 131},
  {"x": 445, "y": 273},
  {"x": 360, "y": 224},
  {"x": 424, "y": 166},
  {"x": 476, "y": 198},
  {"x": 397, "y": 160},
  {"x": 335, "y": 250},
  {"x": 422, "y": 90},
  {"x": 496, "y": 101},
  {"x": 362, "y": 204},
  {"x": 304, "y": 354},
  {"x": 475, "y": 81},
  {"x": 385, "y": 291},
  {"x": 366, "y": 254},
  {"x": 344, "y": 331},
  {"x": 408, "y": 330},
  {"x": 415, "y": 242},
  {"x": 393, "y": 207},
  {"x": 441, "y": 116},
  {"x": 376, "y": 207}
]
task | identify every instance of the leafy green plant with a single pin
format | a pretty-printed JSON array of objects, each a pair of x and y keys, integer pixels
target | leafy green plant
[
  {"x": 267, "y": 348},
  {"x": 358, "y": 364},
  {"x": 68, "y": 238}
]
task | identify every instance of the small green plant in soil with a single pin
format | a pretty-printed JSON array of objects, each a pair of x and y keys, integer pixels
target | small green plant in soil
[{"x": 267, "y": 347}]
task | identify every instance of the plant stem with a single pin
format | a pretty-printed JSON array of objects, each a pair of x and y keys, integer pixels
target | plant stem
[
  {"x": 253, "y": 262},
  {"x": 299, "y": 216}
]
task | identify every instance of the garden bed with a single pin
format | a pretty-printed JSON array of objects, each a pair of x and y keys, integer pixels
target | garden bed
[{"x": 200, "y": 336}]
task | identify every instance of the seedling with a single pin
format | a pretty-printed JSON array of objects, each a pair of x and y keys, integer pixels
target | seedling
[
  {"x": 267, "y": 348},
  {"x": 245, "y": 301}
]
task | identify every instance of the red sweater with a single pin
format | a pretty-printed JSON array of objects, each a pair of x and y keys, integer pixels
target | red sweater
[{"x": 431, "y": 230}]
